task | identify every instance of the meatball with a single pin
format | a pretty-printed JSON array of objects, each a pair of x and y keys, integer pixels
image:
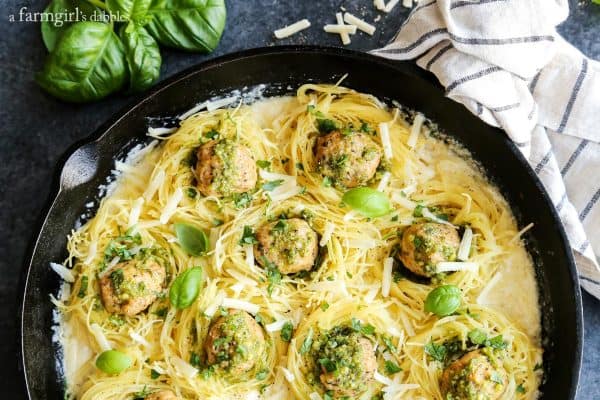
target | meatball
[
  {"x": 474, "y": 376},
  {"x": 162, "y": 395},
  {"x": 224, "y": 168},
  {"x": 424, "y": 245},
  {"x": 289, "y": 244},
  {"x": 131, "y": 286},
  {"x": 235, "y": 342},
  {"x": 349, "y": 160}
]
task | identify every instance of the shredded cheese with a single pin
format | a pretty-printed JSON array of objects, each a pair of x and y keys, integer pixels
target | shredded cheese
[
  {"x": 193, "y": 110},
  {"x": 482, "y": 298},
  {"x": 136, "y": 210},
  {"x": 171, "y": 206},
  {"x": 240, "y": 305},
  {"x": 360, "y": 24},
  {"x": 385, "y": 179},
  {"x": 447, "y": 266},
  {"x": 386, "y": 280},
  {"x": 314, "y": 396},
  {"x": 465, "y": 245},
  {"x": 384, "y": 132},
  {"x": 62, "y": 271},
  {"x": 91, "y": 253},
  {"x": 344, "y": 36},
  {"x": 216, "y": 303},
  {"x": 289, "y": 376},
  {"x": 249, "y": 249},
  {"x": 415, "y": 130},
  {"x": 336, "y": 28},
  {"x": 292, "y": 29},
  {"x": 329, "y": 228},
  {"x": 383, "y": 379},
  {"x": 431, "y": 216},
  {"x": 361, "y": 243},
  {"x": 155, "y": 183},
  {"x": 276, "y": 326},
  {"x": 100, "y": 337},
  {"x": 160, "y": 131},
  {"x": 215, "y": 105},
  {"x": 390, "y": 6},
  {"x": 139, "y": 338},
  {"x": 183, "y": 368}
]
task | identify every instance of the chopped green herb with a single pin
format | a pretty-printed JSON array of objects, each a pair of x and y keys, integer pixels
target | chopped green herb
[
  {"x": 300, "y": 166},
  {"x": 242, "y": 200},
  {"x": 327, "y": 182},
  {"x": 262, "y": 374},
  {"x": 436, "y": 351},
  {"x": 324, "y": 306},
  {"x": 537, "y": 366},
  {"x": 326, "y": 125},
  {"x": 217, "y": 222},
  {"x": 269, "y": 186},
  {"x": 310, "y": 108},
  {"x": 142, "y": 394},
  {"x": 327, "y": 364},
  {"x": 391, "y": 367},
  {"x": 207, "y": 372},
  {"x": 191, "y": 192},
  {"x": 83, "y": 287},
  {"x": 394, "y": 218},
  {"x": 477, "y": 336},
  {"x": 418, "y": 211},
  {"x": 263, "y": 164},
  {"x": 521, "y": 389},
  {"x": 497, "y": 342},
  {"x": 162, "y": 312},
  {"x": 212, "y": 134},
  {"x": 389, "y": 344},
  {"x": 248, "y": 236},
  {"x": 154, "y": 374},
  {"x": 287, "y": 331},
  {"x": 366, "y": 128},
  {"x": 194, "y": 359}
]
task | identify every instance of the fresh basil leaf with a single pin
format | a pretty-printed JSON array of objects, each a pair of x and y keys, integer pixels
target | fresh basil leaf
[
  {"x": 113, "y": 362},
  {"x": 191, "y": 239},
  {"x": 128, "y": 10},
  {"x": 52, "y": 31},
  {"x": 391, "y": 367},
  {"x": 443, "y": 300},
  {"x": 193, "y": 25},
  {"x": 185, "y": 288},
  {"x": 87, "y": 64},
  {"x": 143, "y": 57},
  {"x": 369, "y": 202}
]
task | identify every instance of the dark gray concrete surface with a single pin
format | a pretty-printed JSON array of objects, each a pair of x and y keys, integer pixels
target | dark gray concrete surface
[{"x": 36, "y": 129}]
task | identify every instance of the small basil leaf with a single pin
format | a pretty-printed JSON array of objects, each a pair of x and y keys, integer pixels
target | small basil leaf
[
  {"x": 128, "y": 9},
  {"x": 113, "y": 362},
  {"x": 185, "y": 288},
  {"x": 87, "y": 64},
  {"x": 443, "y": 300},
  {"x": 191, "y": 239},
  {"x": 53, "y": 30},
  {"x": 143, "y": 57},
  {"x": 193, "y": 25},
  {"x": 369, "y": 202}
]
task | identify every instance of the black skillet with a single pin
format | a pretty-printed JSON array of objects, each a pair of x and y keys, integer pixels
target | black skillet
[{"x": 88, "y": 164}]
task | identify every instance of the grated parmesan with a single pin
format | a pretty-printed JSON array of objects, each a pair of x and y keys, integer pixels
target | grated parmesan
[
  {"x": 448, "y": 266},
  {"x": 139, "y": 338},
  {"x": 415, "y": 130},
  {"x": 216, "y": 303},
  {"x": 183, "y": 368},
  {"x": 216, "y": 104},
  {"x": 155, "y": 183},
  {"x": 360, "y": 24},
  {"x": 384, "y": 132},
  {"x": 160, "y": 131},
  {"x": 431, "y": 216},
  {"x": 292, "y": 29},
  {"x": 329, "y": 228},
  {"x": 385, "y": 180},
  {"x": 361, "y": 243},
  {"x": 136, "y": 210},
  {"x": 276, "y": 326},
  {"x": 465, "y": 245},
  {"x": 482, "y": 298},
  {"x": 91, "y": 253},
  {"x": 383, "y": 379},
  {"x": 340, "y": 29},
  {"x": 287, "y": 374},
  {"x": 62, "y": 271},
  {"x": 390, "y": 6},
  {"x": 171, "y": 206},
  {"x": 386, "y": 280},
  {"x": 314, "y": 396},
  {"x": 249, "y": 250},
  {"x": 240, "y": 305},
  {"x": 100, "y": 337}
]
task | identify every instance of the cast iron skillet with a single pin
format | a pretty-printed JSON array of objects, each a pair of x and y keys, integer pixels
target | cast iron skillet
[{"x": 87, "y": 165}]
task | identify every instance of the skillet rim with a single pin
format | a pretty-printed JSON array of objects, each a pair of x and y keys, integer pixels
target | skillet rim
[{"x": 100, "y": 134}]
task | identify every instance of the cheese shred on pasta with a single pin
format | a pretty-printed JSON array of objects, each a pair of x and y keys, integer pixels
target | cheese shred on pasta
[{"x": 344, "y": 289}]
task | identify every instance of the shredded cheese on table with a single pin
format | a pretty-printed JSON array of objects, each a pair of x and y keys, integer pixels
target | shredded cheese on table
[
  {"x": 343, "y": 35},
  {"x": 292, "y": 29},
  {"x": 360, "y": 24}
]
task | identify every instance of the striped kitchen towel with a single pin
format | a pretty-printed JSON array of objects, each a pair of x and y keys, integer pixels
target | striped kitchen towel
[{"x": 504, "y": 60}]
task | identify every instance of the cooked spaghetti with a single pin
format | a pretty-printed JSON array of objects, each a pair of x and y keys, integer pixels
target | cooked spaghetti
[{"x": 308, "y": 289}]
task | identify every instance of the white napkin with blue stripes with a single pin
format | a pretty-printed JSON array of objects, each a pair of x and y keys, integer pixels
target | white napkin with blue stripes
[{"x": 504, "y": 60}]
